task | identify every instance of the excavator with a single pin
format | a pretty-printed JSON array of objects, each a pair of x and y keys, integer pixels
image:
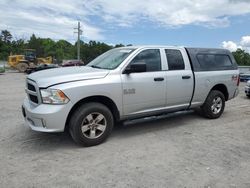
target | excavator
[{"x": 28, "y": 60}]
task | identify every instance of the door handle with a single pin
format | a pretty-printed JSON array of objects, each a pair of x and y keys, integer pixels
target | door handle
[
  {"x": 186, "y": 77},
  {"x": 158, "y": 79}
]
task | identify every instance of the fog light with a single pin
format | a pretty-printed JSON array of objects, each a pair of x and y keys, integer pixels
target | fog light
[
  {"x": 44, "y": 123},
  {"x": 31, "y": 122}
]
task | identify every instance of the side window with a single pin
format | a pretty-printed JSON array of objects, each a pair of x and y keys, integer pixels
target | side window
[
  {"x": 151, "y": 57},
  {"x": 214, "y": 61},
  {"x": 206, "y": 61},
  {"x": 175, "y": 59},
  {"x": 223, "y": 60}
]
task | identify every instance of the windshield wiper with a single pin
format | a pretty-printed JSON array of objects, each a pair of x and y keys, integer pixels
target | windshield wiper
[{"x": 95, "y": 66}]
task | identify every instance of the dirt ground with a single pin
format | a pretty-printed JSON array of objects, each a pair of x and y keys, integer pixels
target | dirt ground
[{"x": 177, "y": 150}]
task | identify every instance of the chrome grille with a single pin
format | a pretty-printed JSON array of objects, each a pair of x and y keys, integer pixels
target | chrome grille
[
  {"x": 33, "y": 98},
  {"x": 31, "y": 87},
  {"x": 32, "y": 91}
]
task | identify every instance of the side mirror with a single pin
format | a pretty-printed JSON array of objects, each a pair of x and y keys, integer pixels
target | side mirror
[{"x": 136, "y": 67}]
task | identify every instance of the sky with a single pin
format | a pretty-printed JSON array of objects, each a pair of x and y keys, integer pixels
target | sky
[{"x": 193, "y": 23}]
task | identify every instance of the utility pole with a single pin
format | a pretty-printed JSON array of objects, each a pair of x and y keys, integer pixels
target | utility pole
[{"x": 79, "y": 32}]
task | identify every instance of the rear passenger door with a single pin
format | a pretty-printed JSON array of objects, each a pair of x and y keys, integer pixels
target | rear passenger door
[
  {"x": 144, "y": 92},
  {"x": 179, "y": 79}
]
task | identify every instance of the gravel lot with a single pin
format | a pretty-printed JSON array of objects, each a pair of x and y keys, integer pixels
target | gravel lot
[{"x": 178, "y": 150}]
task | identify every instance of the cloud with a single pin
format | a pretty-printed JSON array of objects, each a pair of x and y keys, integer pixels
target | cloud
[
  {"x": 230, "y": 45},
  {"x": 49, "y": 19},
  {"x": 56, "y": 19},
  {"x": 245, "y": 41},
  {"x": 233, "y": 46},
  {"x": 169, "y": 13}
]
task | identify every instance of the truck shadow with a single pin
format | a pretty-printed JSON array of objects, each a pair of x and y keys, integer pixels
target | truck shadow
[
  {"x": 52, "y": 141},
  {"x": 38, "y": 141},
  {"x": 155, "y": 124}
]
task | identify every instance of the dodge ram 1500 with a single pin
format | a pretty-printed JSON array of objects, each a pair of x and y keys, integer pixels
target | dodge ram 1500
[{"x": 127, "y": 83}]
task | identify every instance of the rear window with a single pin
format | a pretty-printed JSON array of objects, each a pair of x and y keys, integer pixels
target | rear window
[{"x": 214, "y": 61}]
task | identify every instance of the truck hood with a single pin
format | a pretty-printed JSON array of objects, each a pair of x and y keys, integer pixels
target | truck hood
[{"x": 56, "y": 76}]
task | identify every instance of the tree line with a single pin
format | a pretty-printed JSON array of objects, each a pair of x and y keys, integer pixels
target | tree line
[
  {"x": 242, "y": 57},
  {"x": 63, "y": 49},
  {"x": 45, "y": 47}
]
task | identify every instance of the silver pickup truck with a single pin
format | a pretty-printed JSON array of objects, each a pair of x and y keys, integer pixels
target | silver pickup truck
[{"x": 128, "y": 83}]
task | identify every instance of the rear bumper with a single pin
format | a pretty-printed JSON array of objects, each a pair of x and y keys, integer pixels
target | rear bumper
[
  {"x": 236, "y": 92},
  {"x": 44, "y": 117}
]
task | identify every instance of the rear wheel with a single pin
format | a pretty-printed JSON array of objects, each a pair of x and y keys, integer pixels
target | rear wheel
[
  {"x": 22, "y": 67},
  {"x": 214, "y": 105},
  {"x": 91, "y": 124}
]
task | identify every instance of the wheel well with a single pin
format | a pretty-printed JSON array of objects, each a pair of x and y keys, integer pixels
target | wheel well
[
  {"x": 222, "y": 88},
  {"x": 100, "y": 99}
]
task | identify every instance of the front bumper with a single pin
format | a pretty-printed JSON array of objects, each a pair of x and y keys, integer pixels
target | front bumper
[
  {"x": 247, "y": 90},
  {"x": 45, "y": 117}
]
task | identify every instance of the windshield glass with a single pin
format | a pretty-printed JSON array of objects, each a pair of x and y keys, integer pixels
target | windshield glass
[{"x": 111, "y": 59}]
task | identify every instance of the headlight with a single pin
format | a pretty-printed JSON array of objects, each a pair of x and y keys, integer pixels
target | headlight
[
  {"x": 53, "y": 96},
  {"x": 248, "y": 83}
]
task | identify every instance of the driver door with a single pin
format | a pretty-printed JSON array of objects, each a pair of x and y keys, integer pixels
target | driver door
[{"x": 144, "y": 92}]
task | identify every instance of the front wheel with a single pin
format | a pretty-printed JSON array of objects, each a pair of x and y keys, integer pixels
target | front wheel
[
  {"x": 91, "y": 124},
  {"x": 22, "y": 67},
  {"x": 214, "y": 105}
]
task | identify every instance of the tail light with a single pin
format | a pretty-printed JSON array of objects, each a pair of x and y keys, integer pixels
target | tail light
[{"x": 236, "y": 78}]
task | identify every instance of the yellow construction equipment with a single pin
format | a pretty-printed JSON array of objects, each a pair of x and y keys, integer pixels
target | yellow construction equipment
[{"x": 29, "y": 59}]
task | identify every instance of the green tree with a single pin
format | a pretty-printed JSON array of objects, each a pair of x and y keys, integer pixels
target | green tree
[
  {"x": 6, "y": 36},
  {"x": 37, "y": 44},
  {"x": 44, "y": 47},
  {"x": 66, "y": 50},
  {"x": 91, "y": 50},
  {"x": 5, "y": 44},
  {"x": 18, "y": 46},
  {"x": 49, "y": 47},
  {"x": 242, "y": 57},
  {"x": 119, "y": 45},
  {"x": 2, "y": 52}
]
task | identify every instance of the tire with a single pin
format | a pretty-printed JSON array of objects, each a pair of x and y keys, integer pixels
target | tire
[
  {"x": 214, "y": 105},
  {"x": 22, "y": 67},
  {"x": 91, "y": 124}
]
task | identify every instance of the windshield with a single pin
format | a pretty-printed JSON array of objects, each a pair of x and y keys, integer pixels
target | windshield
[{"x": 111, "y": 59}]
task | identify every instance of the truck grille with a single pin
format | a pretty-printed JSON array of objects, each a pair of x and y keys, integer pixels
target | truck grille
[
  {"x": 31, "y": 87},
  {"x": 32, "y": 92},
  {"x": 33, "y": 98}
]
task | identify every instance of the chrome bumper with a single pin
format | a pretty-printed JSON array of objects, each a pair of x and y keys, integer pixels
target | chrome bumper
[{"x": 45, "y": 117}]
